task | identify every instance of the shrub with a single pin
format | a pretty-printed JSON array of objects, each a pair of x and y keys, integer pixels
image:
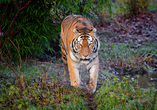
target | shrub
[
  {"x": 28, "y": 25},
  {"x": 133, "y": 7},
  {"x": 34, "y": 26}
]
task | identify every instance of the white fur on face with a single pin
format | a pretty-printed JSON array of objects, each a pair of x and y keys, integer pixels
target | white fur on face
[
  {"x": 90, "y": 40},
  {"x": 79, "y": 40},
  {"x": 73, "y": 57}
]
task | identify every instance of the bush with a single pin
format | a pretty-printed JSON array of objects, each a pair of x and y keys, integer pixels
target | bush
[
  {"x": 133, "y": 7},
  {"x": 32, "y": 28},
  {"x": 137, "y": 6}
]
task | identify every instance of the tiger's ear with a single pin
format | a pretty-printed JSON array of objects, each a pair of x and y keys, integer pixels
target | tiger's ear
[
  {"x": 75, "y": 31},
  {"x": 94, "y": 30}
]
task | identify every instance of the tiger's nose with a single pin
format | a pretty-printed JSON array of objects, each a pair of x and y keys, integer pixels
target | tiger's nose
[{"x": 85, "y": 55}]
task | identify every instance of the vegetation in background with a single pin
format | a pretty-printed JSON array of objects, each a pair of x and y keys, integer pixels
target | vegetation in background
[
  {"x": 124, "y": 56},
  {"x": 28, "y": 25},
  {"x": 133, "y": 7},
  {"x": 34, "y": 26}
]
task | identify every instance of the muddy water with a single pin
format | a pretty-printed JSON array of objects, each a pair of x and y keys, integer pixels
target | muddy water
[{"x": 147, "y": 80}]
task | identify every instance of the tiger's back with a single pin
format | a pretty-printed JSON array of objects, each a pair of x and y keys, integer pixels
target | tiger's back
[{"x": 79, "y": 44}]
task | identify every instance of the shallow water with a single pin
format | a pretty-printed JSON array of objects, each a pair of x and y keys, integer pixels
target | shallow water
[{"x": 147, "y": 80}]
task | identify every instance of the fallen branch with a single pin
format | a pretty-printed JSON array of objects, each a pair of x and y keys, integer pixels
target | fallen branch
[{"x": 120, "y": 25}]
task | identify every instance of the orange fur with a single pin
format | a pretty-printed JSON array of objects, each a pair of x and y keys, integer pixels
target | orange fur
[{"x": 79, "y": 44}]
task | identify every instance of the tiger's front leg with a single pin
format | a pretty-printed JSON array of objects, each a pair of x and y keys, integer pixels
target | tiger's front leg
[
  {"x": 74, "y": 72},
  {"x": 93, "y": 69}
]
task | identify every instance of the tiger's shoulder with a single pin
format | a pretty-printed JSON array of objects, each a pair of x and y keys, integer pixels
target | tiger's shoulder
[{"x": 78, "y": 22}]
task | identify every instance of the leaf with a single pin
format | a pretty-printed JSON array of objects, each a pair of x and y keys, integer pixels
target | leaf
[
  {"x": 12, "y": 87},
  {"x": 45, "y": 103},
  {"x": 19, "y": 106},
  {"x": 75, "y": 102},
  {"x": 148, "y": 67}
]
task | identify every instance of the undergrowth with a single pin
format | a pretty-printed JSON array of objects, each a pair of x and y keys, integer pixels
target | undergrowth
[
  {"x": 42, "y": 90},
  {"x": 128, "y": 56},
  {"x": 124, "y": 95}
]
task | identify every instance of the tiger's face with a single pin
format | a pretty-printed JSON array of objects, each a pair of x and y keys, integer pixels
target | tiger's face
[{"x": 84, "y": 45}]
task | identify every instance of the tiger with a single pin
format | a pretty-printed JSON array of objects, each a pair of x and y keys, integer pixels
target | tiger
[{"x": 79, "y": 44}]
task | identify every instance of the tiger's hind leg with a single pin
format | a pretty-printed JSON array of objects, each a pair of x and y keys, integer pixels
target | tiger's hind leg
[
  {"x": 66, "y": 71},
  {"x": 66, "y": 74}
]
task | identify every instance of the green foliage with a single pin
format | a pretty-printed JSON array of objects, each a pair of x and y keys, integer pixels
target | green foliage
[
  {"x": 37, "y": 94},
  {"x": 5, "y": 1},
  {"x": 75, "y": 102},
  {"x": 122, "y": 95},
  {"x": 35, "y": 26},
  {"x": 30, "y": 25},
  {"x": 133, "y": 7},
  {"x": 114, "y": 94},
  {"x": 152, "y": 7},
  {"x": 137, "y": 7}
]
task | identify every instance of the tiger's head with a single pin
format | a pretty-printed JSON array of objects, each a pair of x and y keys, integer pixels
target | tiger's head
[{"x": 85, "y": 44}]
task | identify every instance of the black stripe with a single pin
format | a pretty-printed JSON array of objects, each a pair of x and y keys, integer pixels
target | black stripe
[
  {"x": 64, "y": 56},
  {"x": 97, "y": 43},
  {"x": 63, "y": 46},
  {"x": 75, "y": 56},
  {"x": 85, "y": 28},
  {"x": 89, "y": 69},
  {"x": 64, "y": 61},
  {"x": 77, "y": 17},
  {"x": 91, "y": 60},
  {"x": 68, "y": 17},
  {"x": 73, "y": 43},
  {"x": 84, "y": 23},
  {"x": 96, "y": 47},
  {"x": 78, "y": 21}
]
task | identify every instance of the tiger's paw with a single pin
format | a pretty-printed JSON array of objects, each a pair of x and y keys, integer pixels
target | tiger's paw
[
  {"x": 76, "y": 84},
  {"x": 91, "y": 88},
  {"x": 66, "y": 81}
]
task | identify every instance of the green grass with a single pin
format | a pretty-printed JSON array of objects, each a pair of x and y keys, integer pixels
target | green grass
[
  {"x": 124, "y": 95},
  {"x": 127, "y": 54},
  {"x": 38, "y": 95},
  {"x": 152, "y": 7}
]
